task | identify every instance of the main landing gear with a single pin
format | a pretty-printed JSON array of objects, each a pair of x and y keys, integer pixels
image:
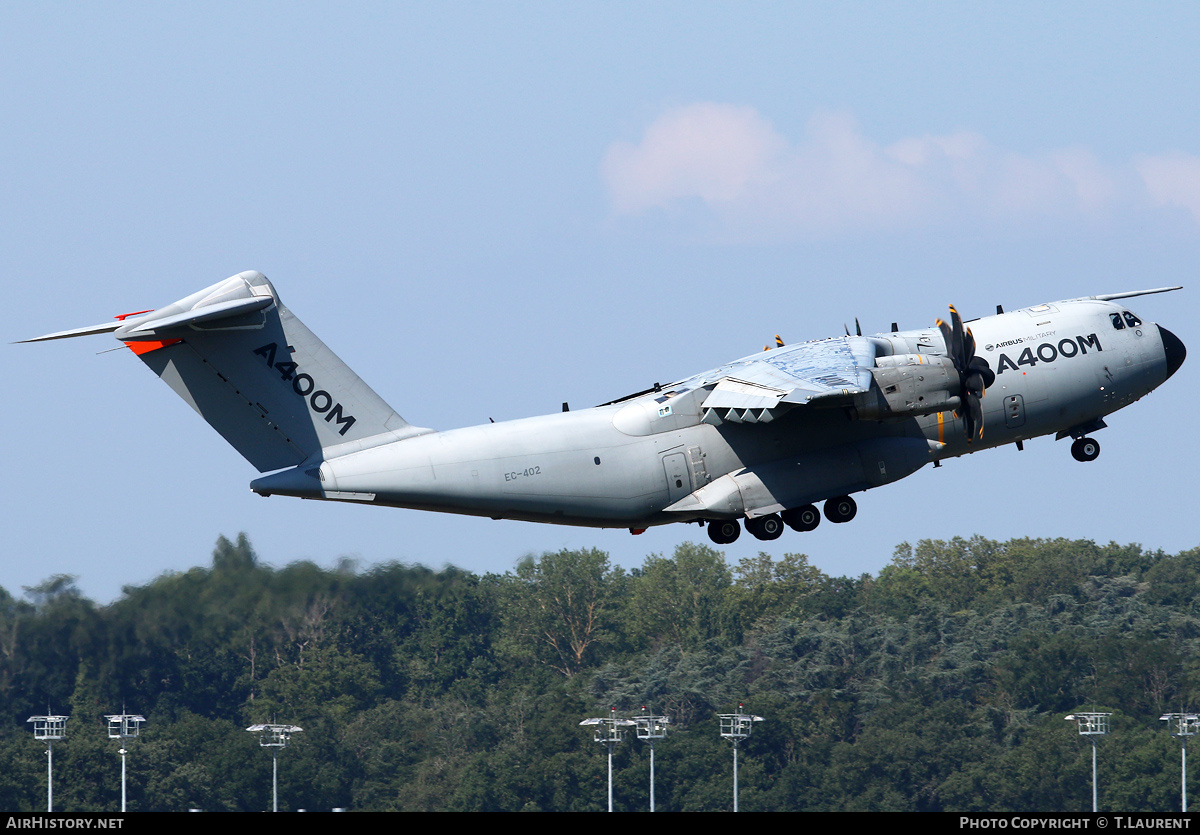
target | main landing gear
[
  {"x": 839, "y": 509},
  {"x": 1085, "y": 449},
  {"x": 724, "y": 531},
  {"x": 765, "y": 527},
  {"x": 802, "y": 518}
]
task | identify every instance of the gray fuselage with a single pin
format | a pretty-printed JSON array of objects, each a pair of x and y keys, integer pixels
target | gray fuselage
[{"x": 654, "y": 459}]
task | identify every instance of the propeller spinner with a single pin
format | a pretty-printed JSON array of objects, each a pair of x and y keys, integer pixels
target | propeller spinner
[{"x": 974, "y": 373}]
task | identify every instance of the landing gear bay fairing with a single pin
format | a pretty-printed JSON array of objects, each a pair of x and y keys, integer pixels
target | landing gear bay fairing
[{"x": 758, "y": 442}]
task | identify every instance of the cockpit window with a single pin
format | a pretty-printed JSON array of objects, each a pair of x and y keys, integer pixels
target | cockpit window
[
  {"x": 1116, "y": 321},
  {"x": 1131, "y": 320}
]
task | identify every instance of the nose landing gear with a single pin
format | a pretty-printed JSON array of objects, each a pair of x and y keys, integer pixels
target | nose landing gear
[{"x": 1085, "y": 449}]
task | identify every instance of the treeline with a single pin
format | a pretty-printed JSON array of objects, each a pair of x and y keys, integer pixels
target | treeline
[{"x": 939, "y": 685}]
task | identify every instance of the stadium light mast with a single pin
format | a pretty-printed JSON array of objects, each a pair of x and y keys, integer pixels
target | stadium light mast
[
  {"x": 124, "y": 726},
  {"x": 1182, "y": 725},
  {"x": 1093, "y": 726},
  {"x": 275, "y": 737},
  {"x": 609, "y": 731},
  {"x": 49, "y": 729},
  {"x": 651, "y": 728},
  {"x": 736, "y": 727}
]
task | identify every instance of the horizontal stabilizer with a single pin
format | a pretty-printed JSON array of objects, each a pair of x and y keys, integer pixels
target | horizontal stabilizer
[
  {"x": 105, "y": 327},
  {"x": 180, "y": 324}
]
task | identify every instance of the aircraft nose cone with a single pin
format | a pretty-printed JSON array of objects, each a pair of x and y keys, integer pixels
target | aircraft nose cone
[{"x": 1173, "y": 348}]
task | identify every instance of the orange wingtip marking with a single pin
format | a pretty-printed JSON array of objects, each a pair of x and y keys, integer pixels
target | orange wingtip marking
[{"x": 140, "y": 348}]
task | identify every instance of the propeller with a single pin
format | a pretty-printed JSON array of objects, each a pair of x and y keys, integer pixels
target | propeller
[{"x": 974, "y": 373}]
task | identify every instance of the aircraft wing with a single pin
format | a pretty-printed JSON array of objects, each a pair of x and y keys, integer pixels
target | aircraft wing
[{"x": 760, "y": 387}]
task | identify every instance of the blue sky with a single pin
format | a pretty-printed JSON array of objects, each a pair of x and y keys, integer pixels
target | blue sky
[{"x": 487, "y": 209}]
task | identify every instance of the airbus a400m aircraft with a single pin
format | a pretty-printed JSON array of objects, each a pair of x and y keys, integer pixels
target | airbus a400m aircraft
[{"x": 758, "y": 441}]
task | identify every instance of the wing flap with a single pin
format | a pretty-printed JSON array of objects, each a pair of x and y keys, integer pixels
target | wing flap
[
  {"x": 761, "y": 387},
  {"x": 740, "y": 401}
]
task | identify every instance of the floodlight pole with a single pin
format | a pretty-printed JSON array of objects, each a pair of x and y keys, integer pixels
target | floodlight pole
[
  {"x": 49, "y": 729},
  {"x": 1182, "y": 725},
  {"x": 275, "y": 737},
  {"x": 651, "y": 729},
  {"x": 609, "y": 731},
  {"x": 1093, "y": 726},
  {"x": 736, "y": 727},
  {"x": 124, "y": 726}
]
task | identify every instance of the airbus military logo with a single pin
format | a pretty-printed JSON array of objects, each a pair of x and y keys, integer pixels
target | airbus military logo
[
  {"x": 1046, "y": 351},
  {"x": 319, "y": 400}
]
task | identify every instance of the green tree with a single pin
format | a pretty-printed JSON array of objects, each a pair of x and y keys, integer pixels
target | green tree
[
  {"x": 561, "y": 606},
  {"x": 764, "y": 588},
  {"x": 680, "y": 600}
]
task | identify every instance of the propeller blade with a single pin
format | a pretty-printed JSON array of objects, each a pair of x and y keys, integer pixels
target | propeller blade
[
  {"x": 968, "y": 346},
  {"x": 981, "y": 366},
  {"x": 960, "y": 358},
  {"x": 974, "y": 373},
  {"x": 947, "y": 337},
  {"x": 974, "y": 383},
  {"x": 976, "y": 413}
]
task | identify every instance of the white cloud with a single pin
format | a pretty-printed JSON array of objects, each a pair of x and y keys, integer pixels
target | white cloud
[
  {"x": 715, "y": 152},
  {"x": 1172, "y": 180},
  {"x": 750, "y": 177}
]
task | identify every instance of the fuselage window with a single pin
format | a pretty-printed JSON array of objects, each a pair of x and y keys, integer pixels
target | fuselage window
[
  {"x": 1116, "y": 320},
  {"x": 1131, "y": 320}
]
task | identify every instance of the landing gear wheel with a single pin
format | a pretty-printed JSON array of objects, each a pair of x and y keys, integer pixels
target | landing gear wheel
[
  {"x": 1085, "y": 449},
  {"x": 802, "y": 518},
  {"x": 840, "y": 509},
  {"x": 765, "y": 527},
  {"x": 724, "y": 531}
]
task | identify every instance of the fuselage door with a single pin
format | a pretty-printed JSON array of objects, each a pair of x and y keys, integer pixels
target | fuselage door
[{"x": 679, "y": 480}]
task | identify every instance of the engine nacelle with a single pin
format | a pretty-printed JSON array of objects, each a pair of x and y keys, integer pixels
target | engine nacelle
[{"x": 907, "y": 385}]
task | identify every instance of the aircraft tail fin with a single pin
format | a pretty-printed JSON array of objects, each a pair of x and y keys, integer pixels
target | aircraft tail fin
[{"x": 256, "y": 373}]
